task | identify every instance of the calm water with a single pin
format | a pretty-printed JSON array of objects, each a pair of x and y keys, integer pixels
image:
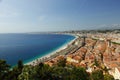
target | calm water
[{"x": 26, "y": 47}]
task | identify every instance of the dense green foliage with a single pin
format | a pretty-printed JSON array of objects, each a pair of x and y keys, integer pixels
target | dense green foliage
[
  {"x": 45, "y": 72},
  {"x": 60, "y": 71},
  {"x": 4, "y": 69},
  {"x": 62, "y": 63},
  {"x": 108, "y": 77},
  {"x": 97, "y": 75}
]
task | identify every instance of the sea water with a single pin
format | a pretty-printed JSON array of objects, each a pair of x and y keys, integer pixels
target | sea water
[{"x": 26, "y": 47}]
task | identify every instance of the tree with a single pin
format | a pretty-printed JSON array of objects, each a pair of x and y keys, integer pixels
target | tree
[
  {"x": 80, "y": 73},
  {"x": 16, "y": 71},
  {"x": 108, "y": 77},
  {"x": 97, "y": 75},
  {"x": 20, "y": 64},
  {"x": 61, "y": 63},
  {"x": 41, "y": 72},
  {"x": 27, "y": 73},
  {"x": 4, "y": 69},
  {"x": 96, "y": 63}
]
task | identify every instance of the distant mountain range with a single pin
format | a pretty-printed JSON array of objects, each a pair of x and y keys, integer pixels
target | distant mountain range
[{"x": 109, "y": 27}]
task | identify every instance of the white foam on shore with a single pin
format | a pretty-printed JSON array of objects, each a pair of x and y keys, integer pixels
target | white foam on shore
[{"x": 51, "y": 53}]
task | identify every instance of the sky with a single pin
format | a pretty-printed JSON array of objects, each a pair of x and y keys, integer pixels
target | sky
[{"x": 18, "y": 16}]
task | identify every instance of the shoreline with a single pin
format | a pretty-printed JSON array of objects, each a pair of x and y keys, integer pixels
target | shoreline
[{"x": 52, "y": 53}]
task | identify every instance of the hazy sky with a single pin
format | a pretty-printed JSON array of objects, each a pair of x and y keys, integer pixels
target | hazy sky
[{"x": 57, "y": 15}]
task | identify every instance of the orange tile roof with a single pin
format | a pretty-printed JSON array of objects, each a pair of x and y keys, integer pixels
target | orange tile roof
[
  {"x": 77, "y": 57},
  {"x": 113, "y": 65},
  {"x": 84, "y": 50}
]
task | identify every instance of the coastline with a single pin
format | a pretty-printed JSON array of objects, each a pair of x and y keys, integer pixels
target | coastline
[{"x": 52, "y": 53}]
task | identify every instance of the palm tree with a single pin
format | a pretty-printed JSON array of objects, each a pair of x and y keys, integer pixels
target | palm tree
[{"x": 20, "y": 64}]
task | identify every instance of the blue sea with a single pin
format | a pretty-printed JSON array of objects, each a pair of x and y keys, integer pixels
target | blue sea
[{"x": 27, "y": 47}]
